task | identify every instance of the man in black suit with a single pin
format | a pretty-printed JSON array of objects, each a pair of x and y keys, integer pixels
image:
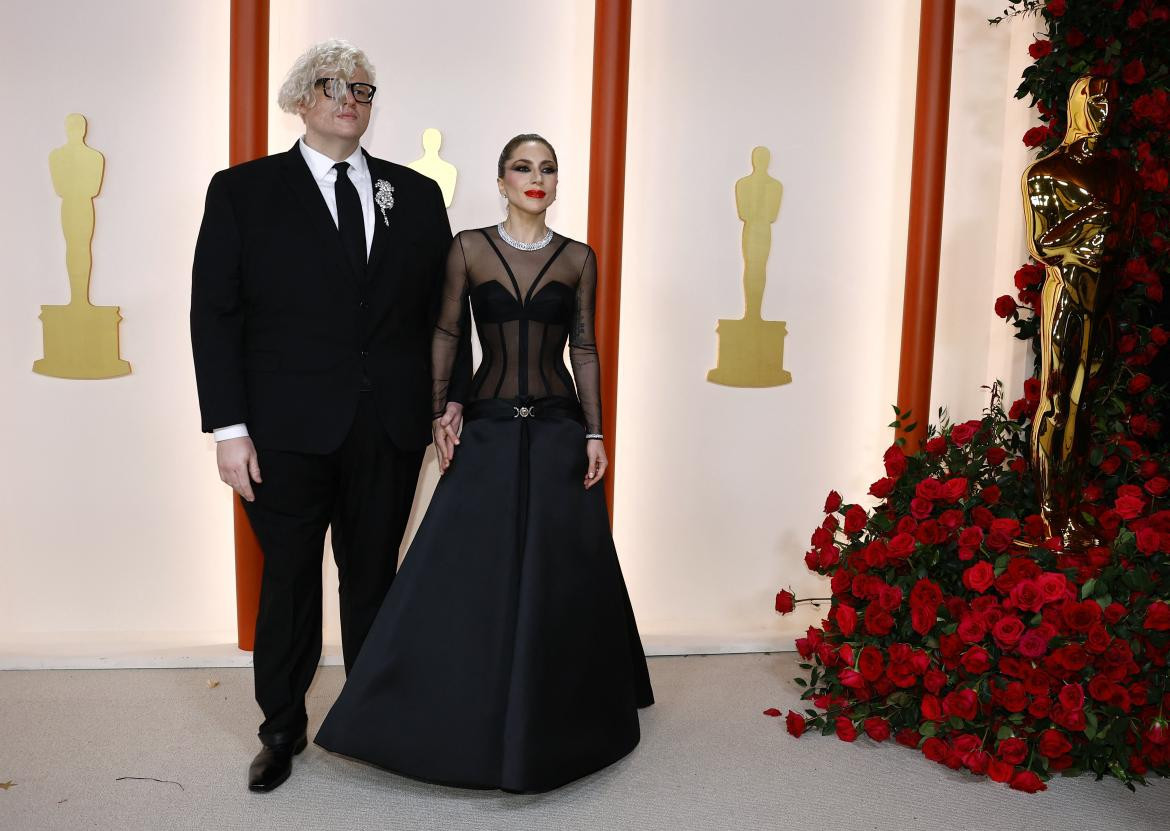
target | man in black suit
[{"x": 316, "y": 277}]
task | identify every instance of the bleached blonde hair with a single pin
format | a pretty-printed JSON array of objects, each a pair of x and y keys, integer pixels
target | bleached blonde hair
[{"x": 333, "y": 58}]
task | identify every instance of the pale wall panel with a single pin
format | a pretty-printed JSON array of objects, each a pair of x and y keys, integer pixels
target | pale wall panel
[{"x": 111, "y": 517}]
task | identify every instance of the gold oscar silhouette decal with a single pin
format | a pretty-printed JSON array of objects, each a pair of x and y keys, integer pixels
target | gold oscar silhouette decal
[
  {"x": 751, "y": 349},
  {"x": 1080, "y": 207},
  {"x": 81, "y": 339},
  {"x": 430, "y": 164}
]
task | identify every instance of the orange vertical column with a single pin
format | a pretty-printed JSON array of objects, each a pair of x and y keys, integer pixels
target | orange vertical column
[
  {"x": 936, "y": 31},
  {"x": 247, "y": 140},
  {"x": 607, "y": 183}
]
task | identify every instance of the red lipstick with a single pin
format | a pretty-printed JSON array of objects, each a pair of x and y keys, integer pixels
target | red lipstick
[{"x": 535, "y": 194}]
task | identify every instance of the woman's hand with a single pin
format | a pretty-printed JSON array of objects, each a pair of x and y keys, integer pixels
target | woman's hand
[
  {"x": 596, "y": 462},
  {"x": 446, "y": 430}
]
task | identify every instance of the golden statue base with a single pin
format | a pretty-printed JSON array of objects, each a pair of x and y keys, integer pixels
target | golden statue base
[
  {"x": 751, "y": 354},
  {"x": 81, "y": 342}
]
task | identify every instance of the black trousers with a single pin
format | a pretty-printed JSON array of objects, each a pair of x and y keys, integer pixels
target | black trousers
[{"x": 363, "y": 491}]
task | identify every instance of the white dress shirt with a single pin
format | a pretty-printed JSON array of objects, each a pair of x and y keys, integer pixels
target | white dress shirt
[{"x": 325, "y": 175}]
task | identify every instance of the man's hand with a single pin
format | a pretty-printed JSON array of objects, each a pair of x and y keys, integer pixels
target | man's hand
[
  {"x": 238, "y": 465},
  {"x": 446, "y": 430},
  {"x": 596, "y": 462}
]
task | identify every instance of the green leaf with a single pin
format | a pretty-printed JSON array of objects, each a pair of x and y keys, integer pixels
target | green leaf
[
  {"x": 929, "y": 729},
  {"x": 801, "y": 682},
  {"x": 1087, "y": 589},
  {"x": 1004, "y": 732}
]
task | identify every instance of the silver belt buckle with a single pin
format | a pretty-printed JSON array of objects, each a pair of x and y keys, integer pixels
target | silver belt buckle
[{"x": 524, "y": 412}]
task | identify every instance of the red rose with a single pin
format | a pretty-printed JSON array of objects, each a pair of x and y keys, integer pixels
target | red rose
[
  {"x": 1013, "y": 750},
  {"x": 1157, "y": 617},
  {"x": 855, "y": 519},
  {"x": 1072, "y": 697},
  {"x": 934, "y": 680},
  {"x": 1134, "y": 72},
  {"x": 1033, "y": 644},
  {"x": 1110, "y": 464},
  {"x": 979, "y": 577},
  {"x": 1158, "y": 733},
  {"x": 1149, "y": 541},
  {"x": 877, "y": 728},
  {"x": 785, "y": 602},
  {"x": 832, "y": 502},
  {"x": 1114, "y": 612},
  {"x": 1101, "y": 688},
  {"x": 1053, "y": 586},
  {"x": 1129, "y": 507},
  {"x": 991, "y": 494},
  {"x": 795, "y": 723},
  {"x": 908, "y": 737},
  {"x": 954, "y": 489},
  {"x": 963, "y": 433},
  {"x": 929, "y": 489},
  {"x": 1138, "y": 383},
  {"x": 1074, "y": 37},
  {"x": 1040, "y": 49},
  {"x": 961, "y": 703},
  {"x": 1036, "y": 136},
  {"x": 1157, "y": 486},
  {"x": 1026, "y": 595},
  {"x": 878, "y": 621},
  {"x": 971, "y": 629},
  {"x": 931, "y": 708},
  {"x": 846, "y": 731},
  {"x": 920, "y": 508},
  {"x": 936, "y": 445},
  {"x": 846, "y": 617},
  {"x": 934, "y": 749},
  {"x": 1007, "y": 631},
  {"x": 1056, "y": 8},
  {"x": 851, "y": 678},
  {"x": 889, "y": 598},
  {"x": 976, "y": 660},
  {"x": 882, "y": 487},
  {"x": 1028, "y": 782},
  {"x": 1081, "y": 616},
  {"x": 895, "y": 461},
  {"x": 901, "y": 546},
  {"x": 1013, "y": 697},
  {"x": 870, "y": 663},
  {"x": 1005, "y": 306},
  {"x": 995, "y": 456},
  {"x": 998, "y": 771}
]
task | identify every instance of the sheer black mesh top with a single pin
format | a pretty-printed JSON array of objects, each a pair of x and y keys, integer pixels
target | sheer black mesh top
[{"x": 526, "y": 305}]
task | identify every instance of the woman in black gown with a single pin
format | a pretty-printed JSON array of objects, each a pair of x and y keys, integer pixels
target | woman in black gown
[{"x": 506, "y": 654}]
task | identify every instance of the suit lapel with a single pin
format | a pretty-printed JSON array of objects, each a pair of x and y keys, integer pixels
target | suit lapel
[{"x": 300, "y": 181}]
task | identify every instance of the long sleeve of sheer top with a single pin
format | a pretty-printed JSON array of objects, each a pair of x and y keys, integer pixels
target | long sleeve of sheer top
[
  {"x": 583, "y": 346},
  {"x": 451, "y": 342}
]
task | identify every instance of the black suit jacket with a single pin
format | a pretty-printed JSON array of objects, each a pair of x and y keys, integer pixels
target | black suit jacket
[{"x": 286, "y": 335}]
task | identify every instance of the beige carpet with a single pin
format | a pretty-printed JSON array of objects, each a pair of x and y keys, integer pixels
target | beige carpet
[{"x": 708, "y": 760}]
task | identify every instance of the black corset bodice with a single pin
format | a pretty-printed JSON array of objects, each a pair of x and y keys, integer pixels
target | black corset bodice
[{"x": 527, "y": 305}]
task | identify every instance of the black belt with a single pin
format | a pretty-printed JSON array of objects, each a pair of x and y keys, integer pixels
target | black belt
[{"x": 525, "y": 407}]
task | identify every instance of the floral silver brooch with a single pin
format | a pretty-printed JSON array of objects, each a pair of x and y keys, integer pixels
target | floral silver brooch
[{"x": 384, "y": 197}]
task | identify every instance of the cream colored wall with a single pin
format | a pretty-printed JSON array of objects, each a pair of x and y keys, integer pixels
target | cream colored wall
[
  {"x": 114, "y": 531},
  {"x": 112, "y": 527}
]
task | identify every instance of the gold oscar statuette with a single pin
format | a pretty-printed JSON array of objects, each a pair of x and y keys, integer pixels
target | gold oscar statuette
[
  {"x": 751, "y": 349},
  {"x": 430, "y": 164},
  {"x": 1080, "y": 208},
  {"x": 80, "y": 339}
]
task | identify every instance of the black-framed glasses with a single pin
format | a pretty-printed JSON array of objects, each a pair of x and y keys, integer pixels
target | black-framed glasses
[{"x": 332, "y": 87}]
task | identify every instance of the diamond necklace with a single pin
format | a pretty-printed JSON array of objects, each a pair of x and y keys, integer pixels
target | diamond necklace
[{"x": 524, "y": 246}]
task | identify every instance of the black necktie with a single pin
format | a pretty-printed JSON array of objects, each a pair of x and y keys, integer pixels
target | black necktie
[{"x": 350, "y": 222}]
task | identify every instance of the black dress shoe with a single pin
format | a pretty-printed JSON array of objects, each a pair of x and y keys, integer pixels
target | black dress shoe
[{"x": 273, "y": 764}]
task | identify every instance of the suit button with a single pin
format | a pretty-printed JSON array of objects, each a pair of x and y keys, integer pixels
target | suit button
[
  {"x": 365, "y": 354},
  {"x": 362, "y": 304}
]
